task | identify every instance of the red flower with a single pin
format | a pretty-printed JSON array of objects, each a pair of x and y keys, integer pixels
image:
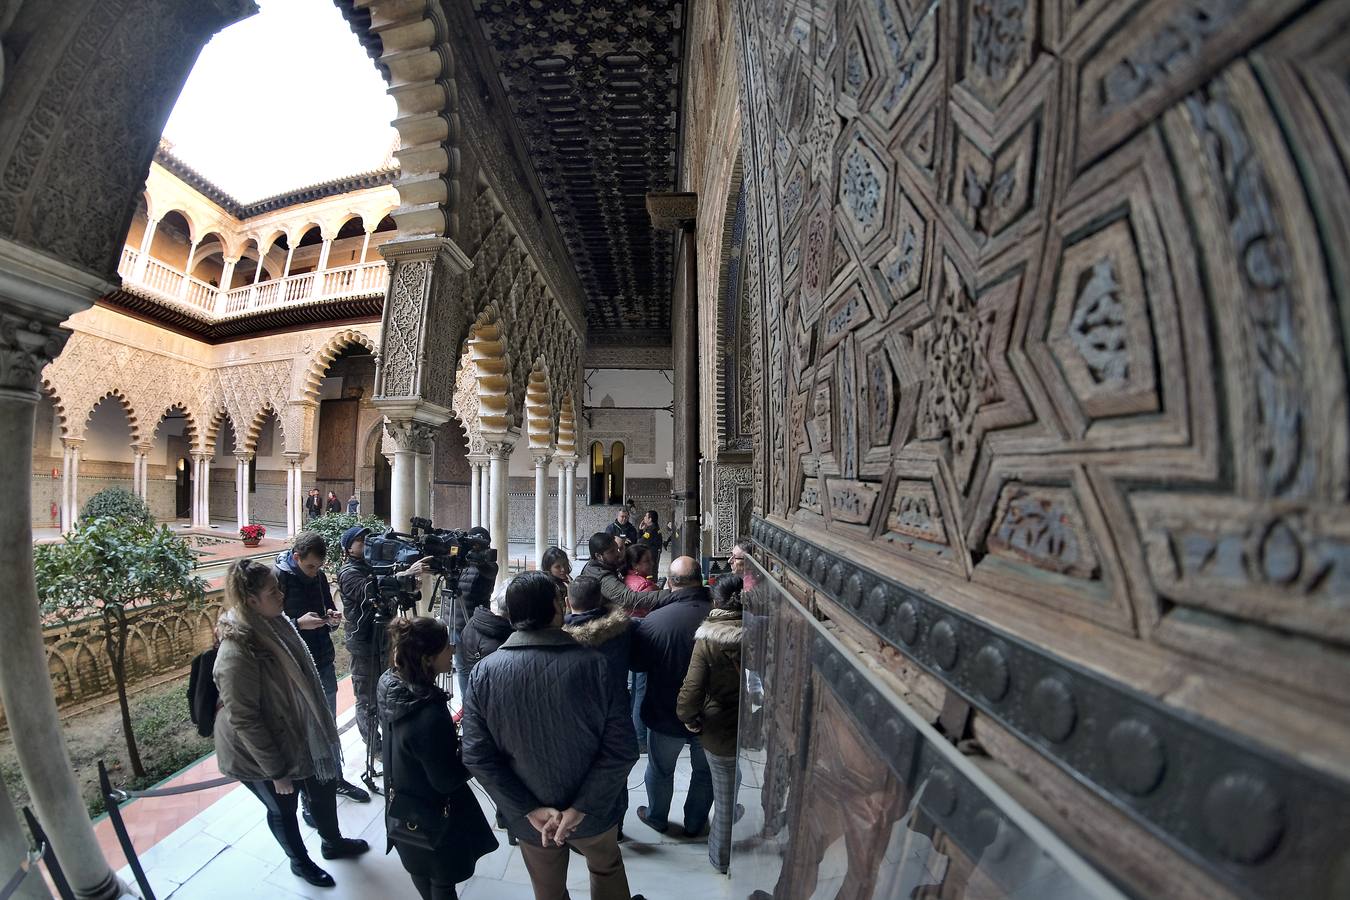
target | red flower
[{"x": 252, "y": 532}]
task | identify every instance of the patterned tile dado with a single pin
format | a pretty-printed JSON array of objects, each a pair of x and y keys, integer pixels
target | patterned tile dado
[
  {"x": 595, "y": 86},
  {"x": 1263, "y": 823}
]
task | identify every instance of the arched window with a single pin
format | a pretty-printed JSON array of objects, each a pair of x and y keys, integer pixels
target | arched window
[
  {"x": 595, "y": 493},
  {"x": 615, "y": 480}
]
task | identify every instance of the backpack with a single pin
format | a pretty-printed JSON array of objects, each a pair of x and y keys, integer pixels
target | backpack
[{"x": 202, "y": 696}]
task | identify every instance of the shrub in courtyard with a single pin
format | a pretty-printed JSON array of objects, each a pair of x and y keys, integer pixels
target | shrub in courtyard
[
  {"x": 331, "y": 527},
  {"x": 117, "y": 503},
  {"x": 109, "y": 567}
]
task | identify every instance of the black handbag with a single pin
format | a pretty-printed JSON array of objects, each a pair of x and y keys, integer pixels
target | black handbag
[{"x": 409, "y": 819}]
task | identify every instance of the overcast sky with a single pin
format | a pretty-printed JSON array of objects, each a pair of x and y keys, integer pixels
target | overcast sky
[{"x": 281, "y": 100}]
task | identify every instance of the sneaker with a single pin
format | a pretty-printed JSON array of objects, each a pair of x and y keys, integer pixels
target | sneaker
[
  {"x": 642, "y": 817},
  {"x": 346, "y": 789},
  {"x": 313, "y": 874},
  {"x": 343, "y": 848}
]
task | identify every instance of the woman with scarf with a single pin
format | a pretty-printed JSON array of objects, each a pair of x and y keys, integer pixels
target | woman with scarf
[
  {"x": 274, "y": 731},
  {"x": 433, "y": 818},
  {"x": 709, "y": 706}
]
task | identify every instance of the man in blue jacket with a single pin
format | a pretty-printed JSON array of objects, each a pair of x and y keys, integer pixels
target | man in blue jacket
[
  {"x": 549, "y": 736},
  {"x": 663, "y": 644}
]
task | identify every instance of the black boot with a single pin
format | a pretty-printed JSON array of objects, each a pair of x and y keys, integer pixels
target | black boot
[
  {"x": 343, "y": 848},
  {"x": 306, "y": 869}
]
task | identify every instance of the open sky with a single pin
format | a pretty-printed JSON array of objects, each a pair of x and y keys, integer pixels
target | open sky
[{"x": 281, "y": 100}]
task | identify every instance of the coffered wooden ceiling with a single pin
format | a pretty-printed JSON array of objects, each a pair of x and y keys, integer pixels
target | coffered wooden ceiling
[{"x": 595, "y": 87}]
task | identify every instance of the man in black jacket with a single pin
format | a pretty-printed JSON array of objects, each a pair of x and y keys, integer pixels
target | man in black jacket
[
  {"x": 367, "y": 643},
  {"x": 622, "y": 528},
  {"x": 663, "y": 644},
  {"x": 549, "y": 736},
  {"x": 476, "y": 581},
  {"x": 603, "y": 566},
  {"x": 309, "y": 605}
]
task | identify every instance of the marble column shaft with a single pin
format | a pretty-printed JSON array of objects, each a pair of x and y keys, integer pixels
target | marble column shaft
[
  {"x": 540, "y": 507},
  {"x": 475, "y": 482},
  {"x": 28, "y": 341},
  {"x": 499, "y": 456}
]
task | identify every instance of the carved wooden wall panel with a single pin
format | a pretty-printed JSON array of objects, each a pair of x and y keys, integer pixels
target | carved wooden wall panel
[{"x": 1051, "y": 316}]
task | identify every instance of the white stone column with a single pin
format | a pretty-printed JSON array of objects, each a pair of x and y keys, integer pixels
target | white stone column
[
  {"x": 135, "y": 471},
  {"x": 138, "y": 273},
  {"x": 70, "y": 487},
  {"x": 422, "y": 475},
  {"x": 475, "y": 486},
  {"x": 187, "y": 271},
  {"x": 499, "y": 456},
  {"x": 365, "y": 245},
  {"x": 572, "y": 506},
  {"x": 201, "y": 506},
  {"x": 562, "y": 505},
  {"x": 290, "y": 499},
  {"x": 412, "y": 439},
  {"x": 242, "y": 461},
  {"x": 317, "y": 288},
  {"x": 540, "y": 507},
  {"x": 30, "y": 337},
  {"x": 226, "y": 276},
  {"x": 143, "y": 452}
]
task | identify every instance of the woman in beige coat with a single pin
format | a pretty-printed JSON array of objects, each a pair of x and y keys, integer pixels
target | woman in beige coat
[
  {"x": 274, "y": 731},
  {"x": 709, "y": 706}
]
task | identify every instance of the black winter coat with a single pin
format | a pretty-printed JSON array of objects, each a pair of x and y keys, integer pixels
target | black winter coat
[
  {"x": 544, "y": 727},
  {"x": 663, "y": 644},
  {"x": 627, "y": 531},
  {"x": 484, "y": 634},
  {"x": 421, "y": 750},
  {"x": 476, "y": 582},
  {"x": 609, "y": 630},
  {"x": 304, "y": 595},
  {"x": 359, "y": 616}
]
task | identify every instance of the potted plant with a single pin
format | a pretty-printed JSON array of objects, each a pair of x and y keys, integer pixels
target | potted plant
[{"x": 252, "y": 534}]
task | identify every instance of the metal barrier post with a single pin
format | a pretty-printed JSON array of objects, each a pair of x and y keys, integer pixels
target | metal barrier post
[
  {"x": 112, "y": 800},
  {"x": 49, "y": 858}
]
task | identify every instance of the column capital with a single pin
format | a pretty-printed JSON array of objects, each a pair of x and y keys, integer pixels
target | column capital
[
  {"x": 411, "y": 435},
  {"x": 673, "y": 211},
  {"x": 500, "y": 446},
  {"x": 243, "y": 456},
  {"x": 27, "y": 344},
  {"x": 200, "y": 456},
  {"x": 295, "y": 459},
  {"x": 71, "y": 443},
  {"x": 477, "y": 459},
  {"x": 143, "y": 448},
  {"x": 542, "y": 459}
]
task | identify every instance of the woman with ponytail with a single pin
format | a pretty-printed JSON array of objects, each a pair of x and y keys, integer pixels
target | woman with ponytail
[
  {"x": 709, "y": 706},
  {"x": 274, "y": 731},
  {"x": 432, "y": 816}
]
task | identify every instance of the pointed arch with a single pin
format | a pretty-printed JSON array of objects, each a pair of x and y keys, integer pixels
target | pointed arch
[
  {"x": 211, "y": 434},
  {"x": 487, "y": 347},
  {"x": 190, "y": 429},
  {"x": 539, "y": 408},
  {"x": 58, "y": 406},
  {"x": 321, "y": 360},
  {"x": 248, "y": 440},
  {"x": 120, "y": 396},
  {"x": 567, "y": 426}
]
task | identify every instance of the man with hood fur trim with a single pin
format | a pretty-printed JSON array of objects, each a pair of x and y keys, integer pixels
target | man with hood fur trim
[{"x": 600, "y": 626}]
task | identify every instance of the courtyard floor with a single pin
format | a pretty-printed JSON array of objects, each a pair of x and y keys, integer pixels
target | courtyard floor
[{"x": 215, "y": 844}]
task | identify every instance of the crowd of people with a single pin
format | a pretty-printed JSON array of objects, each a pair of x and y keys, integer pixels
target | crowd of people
[{"x": 564, "y": 682}]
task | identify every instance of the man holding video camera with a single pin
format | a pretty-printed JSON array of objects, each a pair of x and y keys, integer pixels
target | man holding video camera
[
  {"x": 367, "y": 642},
  {"x": 473, "y": 589}
]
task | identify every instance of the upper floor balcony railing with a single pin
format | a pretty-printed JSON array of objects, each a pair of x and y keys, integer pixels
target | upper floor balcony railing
[{"x": 163, "y": 282}]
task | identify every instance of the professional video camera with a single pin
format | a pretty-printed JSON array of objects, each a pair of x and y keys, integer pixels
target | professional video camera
[{"x": 447, "y": 551}]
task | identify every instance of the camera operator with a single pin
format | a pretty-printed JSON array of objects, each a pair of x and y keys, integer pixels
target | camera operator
[
  {"x": 366, "y": 642},
  {"x": 474, "y": 589}
]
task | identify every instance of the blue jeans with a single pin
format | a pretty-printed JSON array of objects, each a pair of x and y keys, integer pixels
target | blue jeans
[
  {"x": 328, "y": 678},
  {"x": 663, "y": 750},
  {"x": 638, "y": 688}
]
